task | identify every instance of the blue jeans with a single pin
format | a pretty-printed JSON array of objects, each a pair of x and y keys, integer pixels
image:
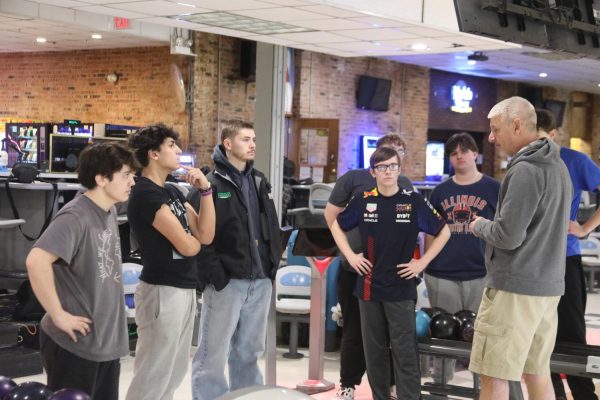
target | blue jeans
[{"x": 233, "y": 327}]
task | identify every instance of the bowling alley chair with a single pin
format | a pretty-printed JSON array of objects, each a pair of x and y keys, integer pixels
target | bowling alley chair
[
  {"x": 292, "y": 289},
  {"x": 131, "y": 277},
  {"x": 317, "y": 199},
  {"x": 590, "y": 258}
]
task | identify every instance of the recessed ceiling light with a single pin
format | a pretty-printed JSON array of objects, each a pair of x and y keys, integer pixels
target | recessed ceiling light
[
  {"x": 419, "y": 46},
  {"x": 41, "y": 40},
  {"x": 543, "y": 75},
  {"x": 96, "y": 36},
  {"x": 187, "y": 5},
  {"x": 471, "y": 62},
  {"x": 377, "y": 43},
  {"x": 599, "y": 85}
]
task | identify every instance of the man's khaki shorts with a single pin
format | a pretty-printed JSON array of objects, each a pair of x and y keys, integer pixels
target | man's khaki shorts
[{"x": 514, "y": 334}]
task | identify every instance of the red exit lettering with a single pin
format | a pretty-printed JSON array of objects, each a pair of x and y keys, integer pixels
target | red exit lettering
[{"x": 121, "y": 23}]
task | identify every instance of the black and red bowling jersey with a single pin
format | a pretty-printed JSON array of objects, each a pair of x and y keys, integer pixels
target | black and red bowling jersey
[{"x": 389, "y": 227}]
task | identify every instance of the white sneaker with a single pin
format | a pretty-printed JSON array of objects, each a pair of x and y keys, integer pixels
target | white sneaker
[
  {"x": 345, "y": 393},
  {"x": 393, "y": 392}
]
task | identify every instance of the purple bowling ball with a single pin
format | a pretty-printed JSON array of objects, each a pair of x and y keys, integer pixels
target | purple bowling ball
[
  {"x": 70, "y": 394},
  {"x": 29, "y": 391},
  {"x": 6, "y": 385}
]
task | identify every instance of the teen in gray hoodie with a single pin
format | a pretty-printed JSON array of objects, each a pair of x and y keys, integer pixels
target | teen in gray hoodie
[{"x": 525, "y": 258}]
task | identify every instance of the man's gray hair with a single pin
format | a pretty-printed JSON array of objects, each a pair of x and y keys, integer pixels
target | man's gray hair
[{"x": 516, "y": 107}]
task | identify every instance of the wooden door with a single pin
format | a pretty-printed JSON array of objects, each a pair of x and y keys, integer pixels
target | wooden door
[{"x": 314, "y": 148}]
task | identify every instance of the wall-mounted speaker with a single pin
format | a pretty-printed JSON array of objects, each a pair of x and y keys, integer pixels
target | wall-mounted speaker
[{"x": 247, "y": 59}]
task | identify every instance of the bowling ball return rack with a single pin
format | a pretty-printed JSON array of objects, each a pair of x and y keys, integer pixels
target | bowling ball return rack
[{"x": 569, "y": 358}]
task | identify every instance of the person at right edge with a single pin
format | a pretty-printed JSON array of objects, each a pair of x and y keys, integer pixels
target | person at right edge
[
  {"x": 515, "y": 329},
  {"x": 585, "y": 175}
]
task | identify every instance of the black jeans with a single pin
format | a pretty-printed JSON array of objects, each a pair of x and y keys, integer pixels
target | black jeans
[
  {"x": 66, "y": 370},
  {"x": 385, "y": 325},
  {"x": 571, "y": 327},
  {"x": 352, "y": 356}
]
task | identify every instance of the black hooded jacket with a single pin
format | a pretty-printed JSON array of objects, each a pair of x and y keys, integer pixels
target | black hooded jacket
[{"x": 229, "y": 256}]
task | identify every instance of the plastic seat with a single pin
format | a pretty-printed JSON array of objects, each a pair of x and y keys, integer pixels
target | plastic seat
[
  {"x": 318, "y": 197},
  {"x": 131, "y": 278},
  {"x": 292, "y": 289}
]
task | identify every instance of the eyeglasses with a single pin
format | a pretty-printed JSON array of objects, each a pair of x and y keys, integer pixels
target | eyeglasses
[{"x": 384, "y": 167}]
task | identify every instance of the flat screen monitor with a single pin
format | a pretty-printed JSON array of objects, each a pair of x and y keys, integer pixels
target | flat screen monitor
[
  {"x": 368, "y": 144},
  {"x": 434, "y": 161},
  {"x": 373, "y": 93},
  {"x": 64, "y": 151},
  {"x": 557, "y": 108}
]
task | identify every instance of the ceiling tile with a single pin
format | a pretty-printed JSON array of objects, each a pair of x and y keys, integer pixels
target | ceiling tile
[
  {"x": 113, "y": 12},
  {"x": 178, "y": 23},
  {"x": 314, "y": 37},
  {"x": 158, "y": 8},
  {"x": 330, "y": 24},
  {"x": 273, "y": 40},
  {"x": 228, "y": 5},
  {"x": 64, "y": 3},
  {"x": 331, "y": 11},
  {"x": 377, "y": 34},
  {"x": 280, "y": 14},
  {"x": 378, "y": 22},
  {"x": 423, "y": 31},
  {"x": 290, "y": 3}
]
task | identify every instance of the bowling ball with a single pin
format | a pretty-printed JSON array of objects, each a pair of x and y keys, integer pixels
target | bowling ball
[
  {"x": 445, "y": 326},
  {"x": 467, "y": 330},
  {"x": 129, "y": 301},
  {"x": 6, "y": 385},
  {"x": 69, "y": 394},
  {"x": 422, "y": 321},
  {"x": 29, "y": 391},
  {"x": 464, "y": 315},
  {"x": 434, "y": 311}
]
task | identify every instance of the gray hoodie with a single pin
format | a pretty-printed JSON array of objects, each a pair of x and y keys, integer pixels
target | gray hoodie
[{"x": 526, "y": 241}]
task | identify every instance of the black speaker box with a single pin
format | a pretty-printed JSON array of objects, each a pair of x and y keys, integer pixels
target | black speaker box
[{"x": 247, "y": 59}]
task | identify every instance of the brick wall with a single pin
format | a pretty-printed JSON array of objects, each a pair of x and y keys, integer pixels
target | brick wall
[
  {"x": 219, "y": 92},
  {"x": 325, "y": 86},
  {"x": 55, "y": 86}
]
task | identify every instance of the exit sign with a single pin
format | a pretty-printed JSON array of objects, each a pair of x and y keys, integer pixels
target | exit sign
[{"x": 121, "y": 23}]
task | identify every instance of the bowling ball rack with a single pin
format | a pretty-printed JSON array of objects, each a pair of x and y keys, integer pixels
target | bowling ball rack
[{"x": 569, "y": 358}]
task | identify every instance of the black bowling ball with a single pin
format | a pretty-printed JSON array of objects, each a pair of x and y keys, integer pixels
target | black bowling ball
[
  {"x": 445, "y": 326},
  {"x": 70, "y": 394},
  {"x": 464, "y": 315},
  {"x": 6, "y": 385},
  {"x": 467, "y": 330},
  {"x": 29, "y": 391},
  {"x": 434, "y": 311}
]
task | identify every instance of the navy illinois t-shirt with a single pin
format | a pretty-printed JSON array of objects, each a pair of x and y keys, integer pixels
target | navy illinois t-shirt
[
  {"x": 462, "y": 258},
  {"x": 388, "y": 228}
]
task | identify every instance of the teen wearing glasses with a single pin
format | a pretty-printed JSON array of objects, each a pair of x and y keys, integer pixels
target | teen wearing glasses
[
  {"x": 354, "y": 183},
  {"x": 389, "y": 220}
]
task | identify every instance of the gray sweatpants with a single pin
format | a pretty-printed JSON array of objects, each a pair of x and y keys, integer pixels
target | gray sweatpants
[
  {"x": 453, "y": 296},
  {"x": 386, "y": 324},
  {"x": 165, "y": 319}
]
